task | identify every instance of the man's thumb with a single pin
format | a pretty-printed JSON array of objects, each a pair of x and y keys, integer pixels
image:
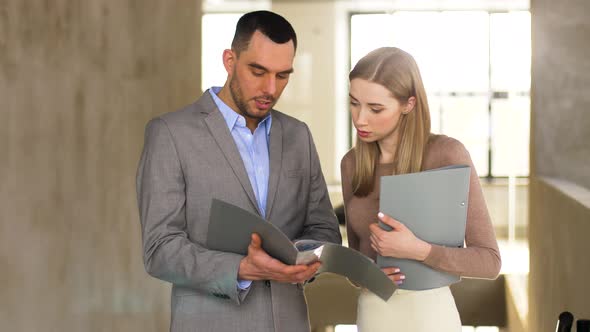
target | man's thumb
[{"x": 255, "y": 240}]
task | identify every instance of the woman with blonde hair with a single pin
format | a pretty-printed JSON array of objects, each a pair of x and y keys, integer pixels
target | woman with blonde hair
[{"x": 390, "y": 113}]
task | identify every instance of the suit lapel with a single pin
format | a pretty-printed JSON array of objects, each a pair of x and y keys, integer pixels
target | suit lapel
[
  {"x": 225, "y": 141},
  {"x": 275, "y": 161}
]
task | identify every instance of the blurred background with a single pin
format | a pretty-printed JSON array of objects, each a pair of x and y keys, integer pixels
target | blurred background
[{"x": 79, "y": 81}]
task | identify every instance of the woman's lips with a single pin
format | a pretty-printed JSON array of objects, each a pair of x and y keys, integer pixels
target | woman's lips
[{"x": 362, "y": 133}]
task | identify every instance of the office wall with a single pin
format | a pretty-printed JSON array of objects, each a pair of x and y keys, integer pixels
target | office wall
[
  {"x": 560, "y": 155},
  {"x": 78, "y": 81},
  {"x": 317, "y": 91},
  {"x": 559, "y": 246},
  {"x": 560, "y": 82}
]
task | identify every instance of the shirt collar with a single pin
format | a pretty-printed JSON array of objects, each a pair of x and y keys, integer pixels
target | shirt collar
[{"x": 231, "y": 117}]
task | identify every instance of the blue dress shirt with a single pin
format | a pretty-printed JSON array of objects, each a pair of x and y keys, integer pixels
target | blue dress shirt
[{"x": 253, "y": 148}]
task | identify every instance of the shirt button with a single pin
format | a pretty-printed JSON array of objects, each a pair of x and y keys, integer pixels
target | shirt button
[{"x": 267, "y": 283}]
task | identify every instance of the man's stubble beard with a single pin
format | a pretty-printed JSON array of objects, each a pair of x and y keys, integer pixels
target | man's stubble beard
[{"x": 236, "y": 94}]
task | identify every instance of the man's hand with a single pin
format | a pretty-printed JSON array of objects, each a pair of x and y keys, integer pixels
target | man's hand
[{"x": 258, "y": 265}]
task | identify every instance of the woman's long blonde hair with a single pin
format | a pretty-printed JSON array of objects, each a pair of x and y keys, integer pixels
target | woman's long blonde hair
[{"x": 397, "y": 71}]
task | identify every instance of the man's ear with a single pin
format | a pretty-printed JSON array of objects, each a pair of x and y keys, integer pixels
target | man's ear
[
  {"x": 410, "y": 105},
  {"x": 229, "y": 61}
]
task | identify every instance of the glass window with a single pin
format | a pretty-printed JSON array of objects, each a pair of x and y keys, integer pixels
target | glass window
[
  {"x": 476, "y": 71},
  {"x": 466, "y": 119},
  {"x": 510, "y": 51},
  {"x": 510, "y": 59},
  {"x": 510, "y": 136},
  {"x": 217, "y": 34}
]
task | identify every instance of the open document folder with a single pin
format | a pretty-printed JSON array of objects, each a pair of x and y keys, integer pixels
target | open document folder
[
  {"x": 433, "y": 205},
  {"x": 230, "y": 229}
]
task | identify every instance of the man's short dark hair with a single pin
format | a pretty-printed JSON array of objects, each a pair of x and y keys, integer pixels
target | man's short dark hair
[{"x": 270, "y": 24}]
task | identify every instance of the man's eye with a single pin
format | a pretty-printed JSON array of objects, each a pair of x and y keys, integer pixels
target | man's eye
[
  {"x": 258, "y": 73},
  {"x": 283, "y": 76}
]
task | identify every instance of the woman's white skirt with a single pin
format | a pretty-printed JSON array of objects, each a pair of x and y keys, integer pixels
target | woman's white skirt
[{"x": 416, "y": 311}]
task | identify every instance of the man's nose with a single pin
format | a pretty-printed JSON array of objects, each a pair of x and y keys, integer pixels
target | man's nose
[{"x": 270, "y": 85}]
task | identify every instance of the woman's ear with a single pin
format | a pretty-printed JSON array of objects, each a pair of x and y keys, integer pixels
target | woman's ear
[{"x": 409, "y": 106}]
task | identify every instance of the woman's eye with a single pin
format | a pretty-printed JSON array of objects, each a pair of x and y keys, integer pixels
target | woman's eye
[
  {"x": 375, "y": 110},
  {"x": 353, "y": 103}
]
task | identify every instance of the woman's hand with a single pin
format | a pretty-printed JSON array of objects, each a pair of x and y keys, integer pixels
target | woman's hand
[
  {"x": 394, "y": 274},
  {"x": 399, "y": 242}
]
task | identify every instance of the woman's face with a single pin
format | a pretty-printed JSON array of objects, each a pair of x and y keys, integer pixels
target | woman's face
[{"x": 375, "y": 112}]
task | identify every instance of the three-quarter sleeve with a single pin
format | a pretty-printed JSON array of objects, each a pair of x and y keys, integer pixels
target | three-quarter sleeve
[{"x": 481, "y": 257}]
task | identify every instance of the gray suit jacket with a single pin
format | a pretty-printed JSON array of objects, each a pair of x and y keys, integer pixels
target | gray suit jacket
[{"x": 189, "y": 157}]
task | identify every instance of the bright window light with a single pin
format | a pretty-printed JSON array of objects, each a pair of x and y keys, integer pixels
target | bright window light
[
  {"x": 476, "y": 70},
  {"x": 353, "y": 328},
  {"x": 345, "y": 328},
  {"x": 217, "y": 34}
]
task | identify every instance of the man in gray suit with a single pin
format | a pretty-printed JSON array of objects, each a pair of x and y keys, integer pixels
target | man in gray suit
[{"x": 231, "y": 145}]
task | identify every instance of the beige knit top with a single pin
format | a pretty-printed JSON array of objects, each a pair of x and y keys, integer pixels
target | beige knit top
[{"x": 479, "y": 259}]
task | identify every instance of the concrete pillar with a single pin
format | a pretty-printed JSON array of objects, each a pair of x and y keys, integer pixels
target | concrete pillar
[
  {"x": 560, "y": 158},
  {"x": 78, "y": 82}
]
